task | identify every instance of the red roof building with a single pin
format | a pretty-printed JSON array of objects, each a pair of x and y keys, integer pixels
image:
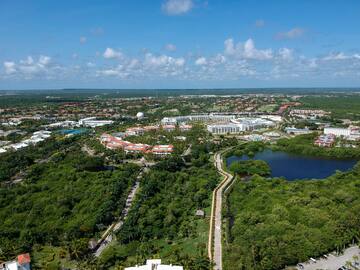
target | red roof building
[
  {"x": 136, "y": 148},
  {"x": 162, "y": 149},
  {"x": 169, "y": 127},
  {"x": 24, "y": 259}
]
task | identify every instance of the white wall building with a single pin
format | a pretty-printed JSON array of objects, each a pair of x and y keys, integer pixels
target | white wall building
[
  {"x": 228, "y": 128},
  {"x": 196, "y": 118},
  {"x": 239, "y": 125},
  {"x": 92, "y": 122},
  {"x": 154, "y": 265},
  {"x": 337, "y": 131},
  {"x": 66, "y": 124}
]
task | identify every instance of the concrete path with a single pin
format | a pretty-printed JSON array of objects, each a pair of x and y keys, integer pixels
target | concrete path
[{"x": 216, "y": 218}]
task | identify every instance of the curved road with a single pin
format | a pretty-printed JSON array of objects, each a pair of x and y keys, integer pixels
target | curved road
[{"x": 215, "y": 242}]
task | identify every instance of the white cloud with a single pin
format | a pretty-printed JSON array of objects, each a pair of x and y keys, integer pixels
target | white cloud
[
  {"x": 44, "y": 60},
  {"x": 246, "y": 50},
  {"x": 29, "y": 67},
  {"x": 291, "y": 34},
  {"x": 109, "y": 72},
  {"x": 83, "y": 40},
  {"x": 29, "y": 61},
  {"x": 336, "y": 56},
  {"x": 170, "y": 47},
  {"x": 201, "y": 61},
  {"x": 134, "y": 63},
  {"x": 286, "y": 54},
  {"x": 163, "y": 60},
  {"x": 237, "y": 61},
  {"x": 9, "y": 67},
  {"x": 112, "y": 54},
  {"x": 90, "y": 64},
  {"x": 177, "y": 7},
  {"x": 313, "y": 63}
]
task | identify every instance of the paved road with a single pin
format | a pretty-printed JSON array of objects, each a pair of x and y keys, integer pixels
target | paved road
[
  {"x": 116, "y": 226},
  {"x": 217, "y": 257}
]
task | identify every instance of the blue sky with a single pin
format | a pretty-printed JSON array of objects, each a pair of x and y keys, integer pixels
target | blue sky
[{"x": 179, "y": 43}]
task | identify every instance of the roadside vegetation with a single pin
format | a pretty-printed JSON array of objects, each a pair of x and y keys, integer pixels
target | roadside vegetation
[{"x": 304, "y": 145}]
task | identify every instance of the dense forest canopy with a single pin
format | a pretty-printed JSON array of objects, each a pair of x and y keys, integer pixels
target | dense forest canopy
[
  {"x": 70, "y": 197},
  {"x": 163, "y": 218},
  {"x": 274, "y": 223}
]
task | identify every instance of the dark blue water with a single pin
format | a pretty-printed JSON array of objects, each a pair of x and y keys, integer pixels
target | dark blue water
[
  {"x": 298, "y": 167},
  {"x": 73, "y": 131}
]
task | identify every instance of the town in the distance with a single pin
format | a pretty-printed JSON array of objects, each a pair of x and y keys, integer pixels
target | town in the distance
[{"x": 180, "y": 179}]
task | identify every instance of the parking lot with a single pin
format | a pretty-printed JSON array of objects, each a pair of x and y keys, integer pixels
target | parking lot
[{"x": 333, "y": 262}]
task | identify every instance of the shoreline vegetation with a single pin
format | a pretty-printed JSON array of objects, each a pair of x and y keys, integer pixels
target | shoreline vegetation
[
  {"x": 273, "y": 223},
  {"x": 299, "y": 145}
]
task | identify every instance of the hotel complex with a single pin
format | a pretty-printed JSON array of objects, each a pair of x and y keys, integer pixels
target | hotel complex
[
  {"x": 240, "y": 125},
  {"x": 154, "y": 265}
]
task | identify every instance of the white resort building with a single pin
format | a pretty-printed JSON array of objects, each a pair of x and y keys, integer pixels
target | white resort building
[
  {"x": 196, "y": 118},
  {"x": 154, "y": 265},
  {"x": 240, "y": 125},
  {"x": 337, "y": 131}
]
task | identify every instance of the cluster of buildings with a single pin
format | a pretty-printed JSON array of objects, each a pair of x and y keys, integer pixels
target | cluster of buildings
[
  {"x": 350, "y": 133},
  {"x": 36, "y": 137},
  {"x": 91, "y": 122},
  {"x": 116, "y": 141},
  {"x": 136, "y": 131},
  {"x": 224, "y": 123},
  {"x": 196, "y": 118},
  {"x": 112, "y": 142},
  {"x": 305, "y": 114},
  {"x": 22, "y": 262},
  {"x": 240, "y": 125},
  {"x": 155, "y": 265},
  {"x": 297, "y": 131},
  {"x": 325, "y": 140}
]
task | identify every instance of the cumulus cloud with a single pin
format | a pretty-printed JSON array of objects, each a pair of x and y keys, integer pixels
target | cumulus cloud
[
  {"x": 29, "y": 67},
  {"x": 336, "y": 56},
  {"x": 44, "y": 60},
  {"x": 286, "y": 54},
  {"x": 201, "y": 61},
  {"x": 83, "y": 40},
  {"x": 177, "y": 7},
  {"x": 28, "y": 61},
  {"x": 237, "y": 61},
  {"x": 246, "y": 50},
  {"x": 90, "y": 64},
  {"x": 291, "y": 34},
  {"x": 9, "y": 67},
  {"x": 170, "y": 47},
  {"x": 163, "y": 60},
  {"x": 112, "y": 54}
]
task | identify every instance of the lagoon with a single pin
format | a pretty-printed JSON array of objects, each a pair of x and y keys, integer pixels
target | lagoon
[{"x": 292, "y": 167}]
